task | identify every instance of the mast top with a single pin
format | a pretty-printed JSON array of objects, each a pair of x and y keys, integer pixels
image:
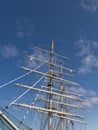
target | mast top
[{"x": 52, "y": 43}]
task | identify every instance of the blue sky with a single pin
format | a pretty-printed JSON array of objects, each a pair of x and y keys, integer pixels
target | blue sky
[{"x": 73, "y": 25}]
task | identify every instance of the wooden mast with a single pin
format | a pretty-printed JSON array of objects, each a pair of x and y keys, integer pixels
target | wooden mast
[
  {"x": 62, "y": 112},
  {"x": 50, "y": 84}
]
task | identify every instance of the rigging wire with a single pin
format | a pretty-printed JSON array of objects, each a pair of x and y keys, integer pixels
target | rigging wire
[
  {"x": 31, "y": 104},
  {"x": 24, "y": 91},
  {"x": 22, "y": 95},
  {"x": 5, "y": 84},
  {"x": 29, "y": 110},
  {"x": 11, "y": 103}
]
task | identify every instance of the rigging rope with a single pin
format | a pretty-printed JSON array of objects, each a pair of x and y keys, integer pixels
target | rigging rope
[
  {"x": 1, "y": 86},
  {"x": 26, "y": 90},
  {"x": 29, "y": 110}
]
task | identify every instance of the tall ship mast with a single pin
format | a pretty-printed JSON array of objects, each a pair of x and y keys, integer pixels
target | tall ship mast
[{"x": 55, "y": 104}]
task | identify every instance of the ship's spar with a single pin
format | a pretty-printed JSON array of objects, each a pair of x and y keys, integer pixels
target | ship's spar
[
  {"x": 58, "y": 112},
  {"x": 62, "y": 112}
]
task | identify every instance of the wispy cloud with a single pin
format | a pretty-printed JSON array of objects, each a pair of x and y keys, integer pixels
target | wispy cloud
[
  {"x": 87, "y": 54},
  {"x": 31, "y": 62},
  {"x": 90, "y": 98},
  {"x": 89, "y": 5},
  {"x": 25, "y": 28},
  {"x": 9, "y": 51},
  {"x": 86, "y": 92},
  {"x": 90, "y": 102},
  {"x": 88, "y": 64}
]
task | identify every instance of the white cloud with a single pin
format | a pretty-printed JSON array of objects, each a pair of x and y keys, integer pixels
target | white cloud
[
  {"x": 32, "y": 63},
  {"x": 83, "y": 92},
  {"x": 9, "y": 51},
  {"x": 90, "y": 102},
  {"x": 84, "y": 47},
  {"x": 87, "y": 54},
  {"x": 92, "y": 93},
  {"x": 25, "y": 28},
  {"x": 88, "y": 63},
  {"x": 90, "y": 98},
  {"x": 89, "y": 5}
]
